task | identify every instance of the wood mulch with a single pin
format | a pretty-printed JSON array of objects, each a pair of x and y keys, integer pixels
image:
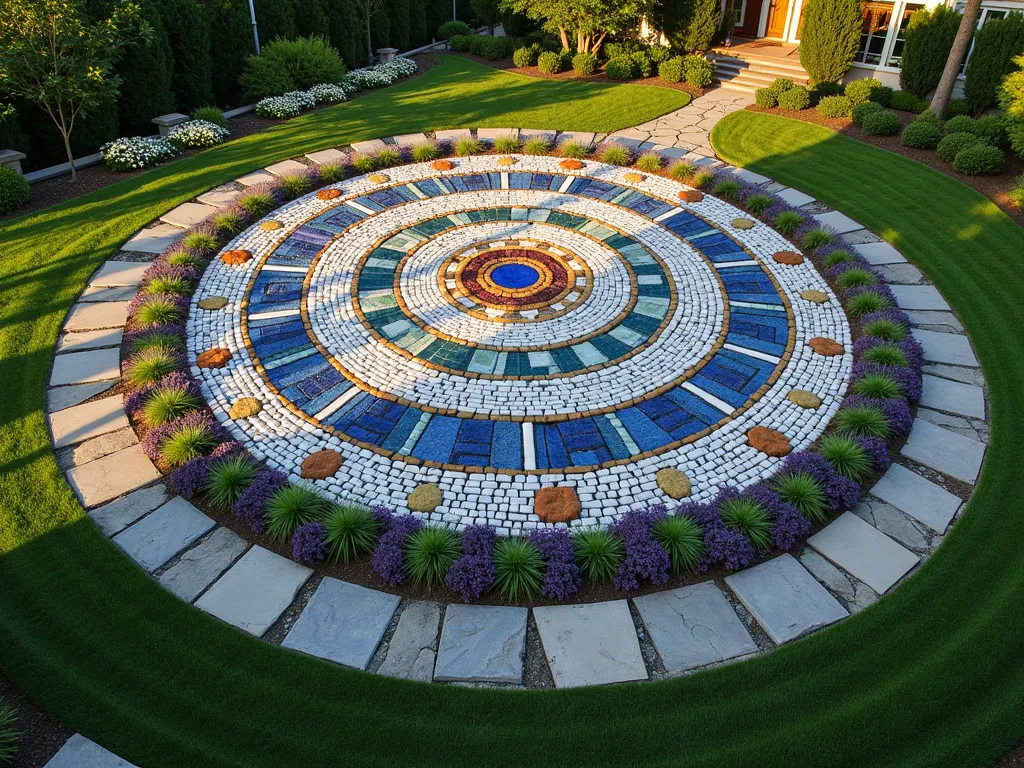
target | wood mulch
[
  {"x": 996, "y": 188},
  {"x": 40, "y": 736}
]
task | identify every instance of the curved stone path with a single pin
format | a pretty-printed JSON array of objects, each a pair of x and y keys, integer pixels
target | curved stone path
[{"x": 843, "y": 568}]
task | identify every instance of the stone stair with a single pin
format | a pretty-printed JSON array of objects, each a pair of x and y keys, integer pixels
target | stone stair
[{"x": 748, "y": 72}]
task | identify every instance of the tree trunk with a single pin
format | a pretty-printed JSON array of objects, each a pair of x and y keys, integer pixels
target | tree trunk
[
  {"x": 565, "y": 38},
  {"x": 597, "y": 45},
  {"x": 65, "y": 133},
  {"x": 369, "y": 44},
  {"x": 956, "y": 56}
]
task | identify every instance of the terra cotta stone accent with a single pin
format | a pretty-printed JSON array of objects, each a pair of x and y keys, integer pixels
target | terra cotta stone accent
[
  {"x": 321, "y": 465},
  {"x": 213, "y": 358},
  {"x": 571, "y": 165},
  {"x": 328, "y": 194},
  {"x": 691, "y": 196},
  {"x": 768, "y": 441},
  {"x": 442, "y": 165},
  {"x": 826, "y": 347},
  {"x": 557, "y": 505},
  {"x": 792, "y": 258},
  {"x": 235, "y": 257}
]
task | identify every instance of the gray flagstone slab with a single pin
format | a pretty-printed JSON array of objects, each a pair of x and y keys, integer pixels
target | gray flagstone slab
[
  {"x": 454, "y": 134},
  {"x": 84, "y": 340},
  {"x": 200, "y": 566},
  {"x": 693, "y": 626},
  {"x": 255, "y": 591},
  {"x": 163, "y": 533},
  {"x": 537, "y": 133},
  {"x": 94, "y": 316},
  {"x": 785, "y": 599},
  {"x": 286, "y": 167},
  {"x": 368, "y": 147},
  {"x": 117, "y": 515},
  {"x": 794, "y": 197},
  {"x": 864, "y": 551},
  {"x": 80, "y": 752},
  {"x": 837, "y": 221},
  {"x": 879, "y": 253},
  {"x": 108, "y": 293},
  {"x": 81, "y": 422},
  {"x": 119, "y": 274},
  {"x": 919, "y": 297},
  {"x": 413, "y": 648},
  {"x": 583, "y": 137},
  {"x": 917, "y": 496},
  {"x": 590, "y": 643},
  {"x": 154, "y": 239},
  {"x": 490, "y": 134},
  {"x": 96, "y": 448},
  {"x": 953, "y": 396},
  {"x": 483, "y": 643},
  {"x": 221, "y": 197},
  {"x": 187, "y": 215},
  {"x": 111, "y": 476},
  {"x": 934, "y": 317},
  {"x": 254, "y": 178},
  {"x": 59, "y": 398},
  {"x": 343, "y": 623},
  {"x": 327, "y": 157},
  {"x": 84, "y": 367},
  {"x": 949, "y": 348},
  {"x": 945, "y": 451}
]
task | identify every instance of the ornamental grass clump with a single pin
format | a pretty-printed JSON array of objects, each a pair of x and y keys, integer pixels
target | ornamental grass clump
[
  {"x": 758, "y": 203},
  {"x": 230, "y": 222},
  {"x": 151, "y": 365},
  {"x": 425, "y": 151},
  {"x": 818, "y": 237},
  {"x": 388, "y": 157},
  {"x": 747, "y": 516},
  {"x": 349, "y": 531},
  {"x": 295, "y": 185},
  {"x": 650, "y": 162},
  {"x": 167, "y": 404},
  {"x": 258, "y": 203},
  {"x": 598, "y": 553},
  {"x": 331, "y": 173},
  {"x": 182, "y": 259},
  {"x": 886, "y": 329},
  {"x": 701, "y": 179},
  {"x": 573, "y": 149},
  {"x": 887, "y": 354},
  {"x": 803, "y": 491},
  {"x": 9, "y": 735},
  {"x": 866, "y": 303},
  {"x": 856, "y": 277},
  {"x": 728, "y": 190},
  {"x": 467, "y": 147},
  {"x": 200, "y": 242},
  {"x": 834, "y": 258},
  {"x": 506, "y": 144},
  {"x": 228, "y": 480},
  {"x": 187, "y": 442},
  {"x": 363, "y": 163},
  {"x": 681, "y": 170},
  {"x": 862, "y": 421},
  {"x": 562, "y": 577},
  {"x": 292, "y": 506},
  {"x": 472, "y": 574},
  {"x": 879, "y": 387},
  {"x": 519, "y": 569},
  {"x": 615, "y": 154},
  {"x": 159, "y": 311},
  {"x": 788, "y": 222},
  {"x": 156, "y": 340},
  {"x": 846, "y": 456},
  {"x": 429, "y": 553},
  {"x": 173, "y": 285},
  {"x": 682, "y": 538},
  {"x": 536, "y": 147}
]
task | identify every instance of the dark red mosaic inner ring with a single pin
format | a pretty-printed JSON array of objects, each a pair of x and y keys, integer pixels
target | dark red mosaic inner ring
[{"x": 550, "y": 292}]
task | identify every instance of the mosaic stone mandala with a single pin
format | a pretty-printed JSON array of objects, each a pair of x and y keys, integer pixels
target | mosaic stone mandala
[{"x": 499, "y": 331}]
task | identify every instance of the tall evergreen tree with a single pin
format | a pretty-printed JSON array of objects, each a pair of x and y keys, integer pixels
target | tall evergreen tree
[
  {"x": 275, "y": 18},
  {"x": 829, "y": 39},
  {"x": 417, "y": 23},
  {"x": 438, "y": 12},
  {"x": 346, "y": 31},
  {"x": 995, "y": 45},
  {"x": 399, "y": 12},
  {"x": 146, "y": 78},
  {"x": 312, "y": 17},
  {"x": 930, "y": 36},
  {"x": 233, "y": 43},
  {"x": 188, "y": 29}
]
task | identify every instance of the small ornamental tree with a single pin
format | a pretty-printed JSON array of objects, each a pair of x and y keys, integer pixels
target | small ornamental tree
[
  {"x": 829, "y": 39},
  {"x": 930, "y": 36},
  {"x": 702, "y": 26},
  {"x": 995, "y": 45},
  {"x": 370, "y": 9},
  {"x": 52, "y": 56},
  {"x": 588, "y": 21}
]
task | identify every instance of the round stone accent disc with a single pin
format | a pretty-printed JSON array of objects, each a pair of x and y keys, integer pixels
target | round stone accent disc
[
  {"x": 769, "y": 441},
  {"x": 818, "y": 297},
  {"x": 803, "y": 398},
  {"x": 213, "y": 358},
  {"x": 792, "y": 258},
  {"x": 236, "y": 257},
  {"x": 425, "y": 498},
  {"x": 634, "y": 177},
  {"x": 674, "y": 483},
  {"x": 328, "y": 194},
  {"x": 557, "y": 505},
  {"x": 270, "y": 226},
  {"x": 826, "y": 347},
  {"x": 213, "y": 302},
  {"x": 507, "y": 161},
  {"x": 442, "y": 165},
  {"x": 691, "y": 196},
  {"x": 378, "y": 178},
  {"x": 571, "y": 165},
  {"x": 742, "y": 223},
  {"x": 321, "y": 465},
  {"x": 245, "y": 407}
]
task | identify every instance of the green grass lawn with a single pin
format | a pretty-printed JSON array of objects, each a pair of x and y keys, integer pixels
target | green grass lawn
[{"x": 930, "y": 676}]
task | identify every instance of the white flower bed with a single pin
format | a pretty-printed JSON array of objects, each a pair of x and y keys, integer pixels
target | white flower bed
[
  {"x": 197, "y": 133},
  {"x": 132, "y": 153},
  {"x": 304, "y": 99},
  {"x": 379, "y": 76},
  {"x": 279, "y": 107},
  {"x": 327, "y": 93}
]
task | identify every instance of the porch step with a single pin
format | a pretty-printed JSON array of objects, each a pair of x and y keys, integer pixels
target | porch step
[{"x": 750, "y": 73}]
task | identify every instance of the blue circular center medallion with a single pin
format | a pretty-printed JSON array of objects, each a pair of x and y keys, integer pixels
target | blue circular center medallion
[{"x": 514, "y": 276}]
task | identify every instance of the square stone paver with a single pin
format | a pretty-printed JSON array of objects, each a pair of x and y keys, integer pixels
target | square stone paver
[
  {"x": 410, "y": 139},
  {"x": 785, "y": 599},
  {"x": 287, "y": 167},
  {"x": 96, "y": 448},
  {"x": 255, "y": 591},
  {"x": 525, "y": 134},
  {"x": 80, "y": 752},
  {"x": 917, "y": 496},
  {"x": 454, "y": 134},
  {"x": 483, "y": 643},
  {"x": 583, "y": 137},
  {"x": 119, "y": 274},
  {"x": 117, "y": 515},
  {"x": 878, "y": 254},
  {"x": 153, "y": 240},
  {"x": 254, "y": 178},
  {"x": 935, "y": 317},
  {"x": 59, "y": 398},
  {"x": 83, "y": 340},
  {"x": 187, "y": 215},
  {"x": 413, "y": 648},
  {"x": 693, "y": 626},
  {"x": 590, "y": 643},
  {"x": 327, "y": 157},
  {"x": 162, "y": 534},
  {"x": 368, "y": 147},
  {"x": 83, "y": 367},
  {"x": 794, "y": 197},
  {"x": 221, "y": 197},
  {"x": 95, "y": 293},
  {"x": 919, "y": 297},
  {"x": 95, "y": 316},
  {"x": 343, "y": 623},
  {"x": 950, "y": 348},
  {"x": 80, "y": 422},
  {"x": 114, "y": 475},
  {"x": 864, "y": 551},
  {"x": 837, "y": 221},
  {"x": 952, "y": 396},
  {"x": 200, "y": 566},
  {"x": 490, "y": 134},
  {"x": 945, "y": 451}
]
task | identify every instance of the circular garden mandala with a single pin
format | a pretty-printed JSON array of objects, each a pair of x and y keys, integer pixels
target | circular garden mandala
[{"x": 497, "y": 331}]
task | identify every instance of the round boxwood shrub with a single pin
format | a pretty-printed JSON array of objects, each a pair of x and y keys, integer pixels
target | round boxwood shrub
[
  {"x": 13, "y": 189},
  {"x": 884, "y": 123},
  {"x": 795, "y": 99},
  {"x": 698, "y": 71},
  {"x": 291, "y": 65},
  {"x": 210, "y": 115},
  {"x": 461, "y": 43},
  {"x": 978, "y": 159},
  {"x": 620, "y": 68},
  {"x": 953, "y": 143},
  {"x": 671, "y": 71},
  {"x": 958, "y": 124},
  {"x": 450, "y": 29},
  {"x": 766, "y": 98},
  {"x": 921, "y": 135},
  {"x": 957, "y": 107},
  {"x": 549, "y": 63},
  {"x": 493, "y": 48},
  {"x": 584, "y": 64},
  {"x": 827, "y": 88},
  {"x": 835, "y": 106},
  {"x": 863, "y": 110},
  {"x": 882, "y": 94},
  {"x": 859, "y": 91},
  {"x": 523, "y": 57},
  {"x": 907, "y": 102},
  {"x": 642, "y": 64},
  {"x": 477, "y": 43}
]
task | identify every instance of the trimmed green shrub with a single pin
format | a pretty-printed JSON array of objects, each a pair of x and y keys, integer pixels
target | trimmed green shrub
[
  {"x": 349, "y": 531},
  {"x": 884, "y": 123},
  {"x": 859, "y": 91},
  {"x": 766, "y": 98},
  {"x": 795, "y": 99},
  {"x": 749, "y": 518},
  {"x": 168, "y": 404},
  {"x": 659, "y": 53},
  {"x": 650, "y": 162},
  {"x": 826, "y": 88},
  {"x": 292, "y": 506},
  {"x": 861, "y": 111},
  {"x": 290, "y": 65},
  {"x": 550, "y": 63},
  {"x": 928, "y": 116},
  {"x": 929, "y": 38},
  {"x": 846, "y": 456},
  {"x": 227, "y": 480},
  {"x": 682, "y": 538},
  {"x": 493, "y": 48},
  {"x": 671, "y": 70},
  {"x": 450, "y": 29},
  {"x": 461, "y": 43},
  {"x": 518, "y": 569},
  {"x": 1017, "y": 193},
  {"x": 952, "y": 143},
  {"x": 803, "y": 492},
  {"x": 957, "y": 107},
  {"x": 584, "y": 64},
  {"x": 692, "y": 26},
  {"x": 598, "y": 554},
  {"x": 189, "y": 442},
  {"x": 621, "y": 68},
  {"x": 995, "y": 46},
  {"x": 524, "y": 57},
  {"x": 1011, "y": 101},
  {"x": 429, "y": 553},
  {"x": 14, "y": 190},
  {"x": 210, "y": 115},
  {"x": 991, "y": 128},
  {"x": 642, "y": 64},
  {"x": 979, "y": 159},
  {"x": 230, "y": 45},
  {"x": 698, "y": 71},
  {"x": 188, "y": 32},
  {"x": 146, "y": 77},
  {"x": 905, "y": 101},
  {"x": 276, "y": 20},
  {"x": 959, "y": 124},
  {"x": 882, "y": 94},
  {"x": 862, "y": 421},
  {"x": 477, "y": 43},
  {"x": 829, "y": 38},
  {"x": 834, "y": 106},
  {"x": 921, "y": 136}
]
